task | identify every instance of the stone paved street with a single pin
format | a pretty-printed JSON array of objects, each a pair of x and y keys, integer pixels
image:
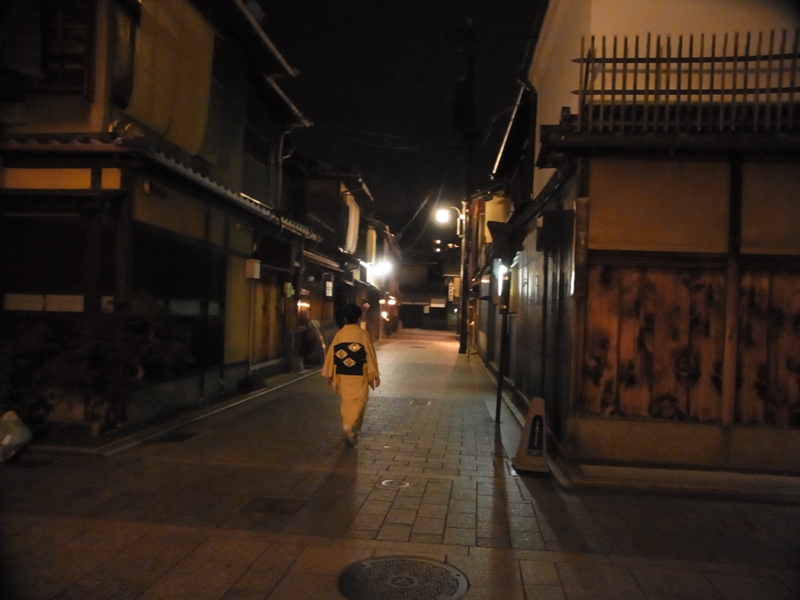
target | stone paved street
[{"x": 262, "y": 501}]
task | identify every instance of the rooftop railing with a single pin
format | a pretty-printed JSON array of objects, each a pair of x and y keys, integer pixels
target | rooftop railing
[{"x": 733, "y": 82}]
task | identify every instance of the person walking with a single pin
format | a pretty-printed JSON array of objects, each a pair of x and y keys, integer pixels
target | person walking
[{"x": 351, "y": 367}]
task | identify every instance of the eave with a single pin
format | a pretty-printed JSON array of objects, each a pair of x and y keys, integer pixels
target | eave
[
  {"x": 557, "y": 141},
  {"x": 515, "y": 138},
  {"x": 254, "y": 36},
  {"x": 292, "y": 111}
]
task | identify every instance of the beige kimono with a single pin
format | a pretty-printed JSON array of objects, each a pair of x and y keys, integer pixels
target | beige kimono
[{"x": 353, "y": 365}]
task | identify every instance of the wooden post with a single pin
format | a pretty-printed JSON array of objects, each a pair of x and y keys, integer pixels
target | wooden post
[{"x": 730, "y": 349}]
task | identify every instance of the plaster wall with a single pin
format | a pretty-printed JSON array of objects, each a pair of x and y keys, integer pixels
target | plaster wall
[
  {"x": 771, "y": 208},
  {"x": 659, "y": 205}
]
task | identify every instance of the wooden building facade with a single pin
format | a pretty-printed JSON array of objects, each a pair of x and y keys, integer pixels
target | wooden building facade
[
  {"x": 656, "y": 298},
  {"x": 141, "y": 154}
]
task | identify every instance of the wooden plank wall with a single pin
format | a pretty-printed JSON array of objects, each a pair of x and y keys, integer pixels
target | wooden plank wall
[
  {"x": 769, "y": 349},
  {"x": 525, "y": 367},
  {"x": 654, "y": 344},
  {"x": 654, "y": 340}
]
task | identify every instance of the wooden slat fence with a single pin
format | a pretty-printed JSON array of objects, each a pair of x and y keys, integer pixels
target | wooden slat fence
[
  {"x": 733, "y": 82},
  {"x": 655, "y": 341}
]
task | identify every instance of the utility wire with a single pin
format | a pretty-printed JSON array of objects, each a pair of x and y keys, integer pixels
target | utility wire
[
  {"x": 428, "y": 220},
  {"x": 422, "y": 205}
]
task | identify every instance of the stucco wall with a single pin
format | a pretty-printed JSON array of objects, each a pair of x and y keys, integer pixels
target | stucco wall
[{"x": 659, "y": 205}]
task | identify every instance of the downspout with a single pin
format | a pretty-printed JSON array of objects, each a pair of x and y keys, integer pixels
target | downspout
[{"x": 281, "y": 157}]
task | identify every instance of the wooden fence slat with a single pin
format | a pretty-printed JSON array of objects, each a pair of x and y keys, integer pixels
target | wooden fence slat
[
  {"x": 583, "y": 65},
  {"x": 746, "y": 67},
  {"x": 700, "y": 87},
  {"x": 768, "y": 99},
  {"x": 780, "y": 102},
  {"x": 657, "y": 85},
  {"x": 723, "y": 68},
  {"x": 668, "y": 86},
  {"x": 793, "y": 80},
  {"x": 646, "y": 103},
  {"x": 689, "y": 97},
  {"x": 679, "y": 99},
  {"x": 752, "y": 347},
  {"x": 783, "y": 403},
  {"x": 634, "y": 100},
  {"x": 637, "y": 298},
  {"x": 712, "y": 79},
  {"x": 757, "y": 99},
  {"x": 613, "y": 102},
  {"x": 707, "y": 320},
  {"x": 591, "y": 66},
  {"x": 603, "y": 87},
  {"x": 735, "y": 83},
  {"x": 670, "y": 345},
  {"x": 624, "y": 121}
]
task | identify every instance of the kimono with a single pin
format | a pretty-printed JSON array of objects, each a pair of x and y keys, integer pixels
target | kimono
[{"x": 352, "y": 364}]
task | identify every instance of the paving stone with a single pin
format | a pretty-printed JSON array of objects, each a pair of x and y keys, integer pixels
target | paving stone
[{"x": 169, "y": 518}]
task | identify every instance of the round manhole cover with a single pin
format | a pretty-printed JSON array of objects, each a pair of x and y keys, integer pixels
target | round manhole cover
[
  {"x": 394, "y": 483},
  {"x": 396, "y": 578}
]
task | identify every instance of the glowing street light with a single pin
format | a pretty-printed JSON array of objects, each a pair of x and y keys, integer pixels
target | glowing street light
[
  {"x": 381, "y": 268},
  {"x": 442, "y": 215}
]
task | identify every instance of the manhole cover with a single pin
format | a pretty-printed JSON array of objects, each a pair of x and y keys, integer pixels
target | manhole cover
[
  {"x": 394, "y": 483},
  {"x": 397, "y": 578}
]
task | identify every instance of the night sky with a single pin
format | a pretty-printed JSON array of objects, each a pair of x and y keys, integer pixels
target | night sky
[{"x": 378, "y": 81}]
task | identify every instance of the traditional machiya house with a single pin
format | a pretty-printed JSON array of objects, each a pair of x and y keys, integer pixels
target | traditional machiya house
[
  {"x": 334, "y": 202},
  {"x": 376, "y": 284},
  {"x": 141, "y": 155},
  {"x": 655, "y": 301}
]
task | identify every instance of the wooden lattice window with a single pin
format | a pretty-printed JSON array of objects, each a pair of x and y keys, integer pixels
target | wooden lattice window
[{"x": 68, "y": 41}]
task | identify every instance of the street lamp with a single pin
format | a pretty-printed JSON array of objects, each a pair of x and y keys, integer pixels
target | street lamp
[{"x": 443, "y": 216}]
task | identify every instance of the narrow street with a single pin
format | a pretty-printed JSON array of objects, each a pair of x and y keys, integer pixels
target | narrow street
[{"x": 262, "y": 501}]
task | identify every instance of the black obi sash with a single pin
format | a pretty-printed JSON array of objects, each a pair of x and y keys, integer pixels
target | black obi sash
[{"x": 349, "y": 358}]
